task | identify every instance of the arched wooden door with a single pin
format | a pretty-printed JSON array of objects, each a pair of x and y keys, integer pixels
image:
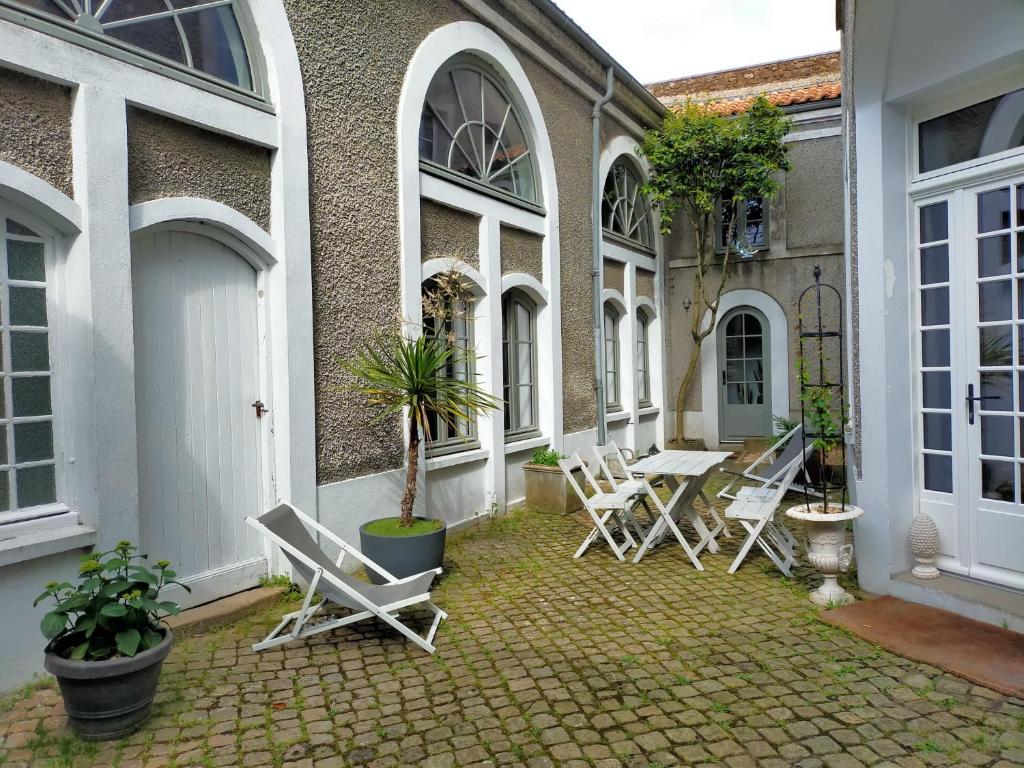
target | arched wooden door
[{"x": 744, "y": 401}]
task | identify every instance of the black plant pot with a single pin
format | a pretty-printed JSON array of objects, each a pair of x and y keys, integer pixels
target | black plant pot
[
  {"x": 109, "y": 699},
  {"x": 403, "y": 555}
]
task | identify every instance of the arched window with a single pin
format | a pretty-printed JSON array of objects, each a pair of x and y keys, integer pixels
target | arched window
[
  {"x": 29, "y": 475},
  {"x": 519, "y": 334},
  {"x": 625, "y": 211},
  {"x": 612, "y": 391},
  {"x": 203, "y": 35},
  {"x": 452, "y": 319},
  {"x": 470, "y": 126},
  {"x": 643, "y": 359}
]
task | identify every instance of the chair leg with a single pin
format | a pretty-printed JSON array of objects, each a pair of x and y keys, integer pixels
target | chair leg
[{"x": 753, "y": 532}]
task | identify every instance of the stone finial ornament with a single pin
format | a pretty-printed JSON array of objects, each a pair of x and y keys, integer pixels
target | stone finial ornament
[{"x": 924, "y": 541}]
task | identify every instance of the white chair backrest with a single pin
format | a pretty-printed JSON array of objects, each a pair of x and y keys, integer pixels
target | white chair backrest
[
  {"x": 570, "y": 465},
  {"x": 603, "y": 453}
]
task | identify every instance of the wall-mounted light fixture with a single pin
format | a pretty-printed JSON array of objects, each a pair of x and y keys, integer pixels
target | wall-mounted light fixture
[{"x": 687, "y": 303}]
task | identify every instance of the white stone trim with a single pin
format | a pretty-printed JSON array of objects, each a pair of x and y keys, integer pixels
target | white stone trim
[
  {"x": 779, "y": 331},
  {"x": 610, "y": 295},
  {"x": 465, "y": 199},
  {"x": 528, "y": 284},
  {"x": 434, "y": 267},
  {"x": 648, "y": 304},
  {"x": 40, "y": 199},
  {"x": 152, "y": 213}
]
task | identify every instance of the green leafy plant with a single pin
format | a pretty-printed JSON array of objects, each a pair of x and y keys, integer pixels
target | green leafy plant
[
  {"x": 783, "y": 426},
  {"x": 546, "y": 457},
  {"x": 418, "y": 377},
  {"x": 824, "y": 415},
  {"x": 115, "y": 609},
  {"x": 706, "y": 163}
]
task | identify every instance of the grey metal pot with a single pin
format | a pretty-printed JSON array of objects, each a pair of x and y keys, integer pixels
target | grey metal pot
[
  {"x": 403, "y": 555},
  {"x": 109, "y": 699}
]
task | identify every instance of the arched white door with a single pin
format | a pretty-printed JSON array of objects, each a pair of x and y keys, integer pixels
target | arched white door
[{"x": 196, "y": 380}]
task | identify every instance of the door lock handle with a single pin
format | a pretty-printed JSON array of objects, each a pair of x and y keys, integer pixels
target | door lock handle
[
  {"x": 260, "y": 409},
  {"x": 972, "y": 399},
  {"x": 723, "y": 378}
]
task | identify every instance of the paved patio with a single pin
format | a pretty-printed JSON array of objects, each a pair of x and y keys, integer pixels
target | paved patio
[{"x": 549, "y": 661}]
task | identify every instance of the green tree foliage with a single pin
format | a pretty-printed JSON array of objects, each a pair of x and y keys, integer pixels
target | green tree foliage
[{"x": 699, "y": 160}]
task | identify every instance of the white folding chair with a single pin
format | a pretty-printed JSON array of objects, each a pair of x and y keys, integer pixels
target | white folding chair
[
  {"x": 768, "y": 468},
  {"x": 604, "y": 509},
  {"x": 668, "y": 520},
  {"x": 286, "y": 526},
  {"x": 755, "y": 511},
  {"x": 610, "y": 456}
]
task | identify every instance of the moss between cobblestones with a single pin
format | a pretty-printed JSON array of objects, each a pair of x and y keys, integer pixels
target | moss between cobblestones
[{"x": 546, "y": 660}]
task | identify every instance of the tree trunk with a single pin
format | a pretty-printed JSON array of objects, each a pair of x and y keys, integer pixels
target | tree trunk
[
  {"x": 684, "y": 388},
  {"x": 412, "y": 469}
]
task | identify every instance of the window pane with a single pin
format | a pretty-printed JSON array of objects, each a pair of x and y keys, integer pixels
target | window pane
[
  {"x": 935, "y": 306},
  {"x": 25, "y": 261},
  {"x": 734, "y": 347},
  {"x": 994, "y": 256},
  {"x": 734, "y": 394},
  {"x": 30, "y": 351},
  {"x": 935, "y": 386},
  {"x": 997, "y": 435},
  {"x": 217, "y": 46},
  {"x": 997, "y": 480},
  {"x": 14, "y": 228},
  {"x": 753, "y": 369},
  {"x": 935, "y": 264},
  {"x": 997, "y": 388},
  {"x": 28, "y": 306},
  {"x": 5, "y": 491},
  {"x": 935, "y": 348},
  {"x": 33, "y": 441},
  {"x": 524, "y": 363},
  {"x": 31, "y": 395},
  {"x": 752, "y": 347},
  {"x": 159, "y": 36},
  {"x": 938, "y": 473},
  {"x": 996, "y": 345},
  {"x": 938, "y": 432},
  {"x": 994, "y": 210},
  {"x": 36, "y": 485},
  {"x": 3, "y": 443},
  {"x": 934, "y": 225},
  {"x": 525, "y": 407},
  {"x": 982, "y": 129},
  {"x": 994, "y": 301}
]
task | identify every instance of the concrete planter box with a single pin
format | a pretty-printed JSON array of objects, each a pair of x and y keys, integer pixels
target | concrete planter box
[{"x": 547, "y": 488}]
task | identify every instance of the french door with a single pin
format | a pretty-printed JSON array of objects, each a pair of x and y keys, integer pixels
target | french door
[{"x": 969, "y": 264}]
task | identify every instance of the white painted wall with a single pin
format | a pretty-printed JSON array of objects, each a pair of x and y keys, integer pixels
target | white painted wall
[{"x": 897, "y": 69}]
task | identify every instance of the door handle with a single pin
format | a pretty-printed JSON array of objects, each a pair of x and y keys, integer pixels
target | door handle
[
  {"x": 723, "y": 378},
  {"x": 262, "y": 409},
  {"x": 972, "y": 399}
]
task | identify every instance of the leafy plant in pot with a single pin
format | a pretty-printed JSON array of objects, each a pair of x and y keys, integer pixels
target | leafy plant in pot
[
  {"x": 106, "y": 642},
  {"x": 428, "y": 379}
]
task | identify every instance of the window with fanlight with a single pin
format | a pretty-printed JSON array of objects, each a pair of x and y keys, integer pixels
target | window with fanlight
[
  {"x": 613, "y": 393},
  {"x": 205, "y": 36},
  {"x": 625, "y": 211},
  {"x": 471, "y": 128}
]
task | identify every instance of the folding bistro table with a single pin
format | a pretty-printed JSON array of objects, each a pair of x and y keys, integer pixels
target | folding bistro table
[{"x": 695, "y": 465}]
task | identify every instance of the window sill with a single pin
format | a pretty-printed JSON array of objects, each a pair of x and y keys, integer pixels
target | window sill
[
  {"x": 29, "y": 546},
  {"x": 455, "y": 459},
  {"x": 648, "y": 410},
  {"x": 527, "y": 443},
  {"x": 617, "y": 416}
]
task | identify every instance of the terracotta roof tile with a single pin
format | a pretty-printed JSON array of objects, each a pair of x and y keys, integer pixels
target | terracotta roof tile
[{"x": 794, "y": 81}]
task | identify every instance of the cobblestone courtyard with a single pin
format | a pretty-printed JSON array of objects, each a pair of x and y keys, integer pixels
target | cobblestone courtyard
[{"x": 549, "y": 661}]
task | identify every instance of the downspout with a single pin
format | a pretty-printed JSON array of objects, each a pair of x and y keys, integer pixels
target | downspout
[{"x": 597, "y": 261}]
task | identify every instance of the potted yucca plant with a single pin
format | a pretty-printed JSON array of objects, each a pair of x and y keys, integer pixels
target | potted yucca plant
[
  {"x": 426, "y": 378},
  {"x": 106, "y": 643}
]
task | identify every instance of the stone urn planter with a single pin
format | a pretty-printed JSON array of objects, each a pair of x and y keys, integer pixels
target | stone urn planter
[
  {"x": 827, "y": 549},
  {"x": 109, "y": 699},
  {"x": 547, "y": 488}
]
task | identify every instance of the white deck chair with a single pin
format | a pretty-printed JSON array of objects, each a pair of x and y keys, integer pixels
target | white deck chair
[
  {"x": 286, "y": 527},
  {"x": 609, "y": 511},
  {"x": 756, "y": 513},
  {"x": 769, "y": 468},
  {"x": 668, "y": 520}
]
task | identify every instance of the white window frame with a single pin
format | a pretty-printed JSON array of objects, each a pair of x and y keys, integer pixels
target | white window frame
[
  {"x": 509, "y": 340},
  {"x": 741, "y": 226},
  {"x": 638, "y": 203},
  {"x": 612, "y": 373},
  {"x": 643, "y": 358},
  {"x": 15, "y": 521}
]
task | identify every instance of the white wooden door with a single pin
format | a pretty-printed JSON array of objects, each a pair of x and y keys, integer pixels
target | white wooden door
[
  {"x": 199, "y": 442},
  {"x": 970, "y": 277}
]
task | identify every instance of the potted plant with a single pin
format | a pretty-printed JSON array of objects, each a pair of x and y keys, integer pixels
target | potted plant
[
  {"x": 106, "y": 642},
  {"x": 418, "y": 377},
  {"x": 546, "y": 487}
]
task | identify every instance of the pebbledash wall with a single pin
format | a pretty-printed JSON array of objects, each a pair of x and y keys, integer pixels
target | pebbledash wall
[
  {"x": 380, "y": 227},
  {"x": 805, "y": 228},
  {"x": 321, "y": 182}
]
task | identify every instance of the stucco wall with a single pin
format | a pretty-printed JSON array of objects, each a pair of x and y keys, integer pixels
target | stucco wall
[
  {"x": 447, "y": 233},
  {"x": 521, "y": 252},
  {"x": 36, "y": 134},
  {"x": 614, "y": 275},
  {"x": 167, "y": 158},
  {"x": 814, "y": 193},
  {"x": 645, "y": 284}
]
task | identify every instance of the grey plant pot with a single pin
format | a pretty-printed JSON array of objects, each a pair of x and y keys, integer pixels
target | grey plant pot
[
  {"x": 109, "y": 699},
  {"x": 403, "y": 555}
]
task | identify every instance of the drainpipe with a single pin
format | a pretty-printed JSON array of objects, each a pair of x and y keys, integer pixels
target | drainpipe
[{"x": 597, "y": 262}]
